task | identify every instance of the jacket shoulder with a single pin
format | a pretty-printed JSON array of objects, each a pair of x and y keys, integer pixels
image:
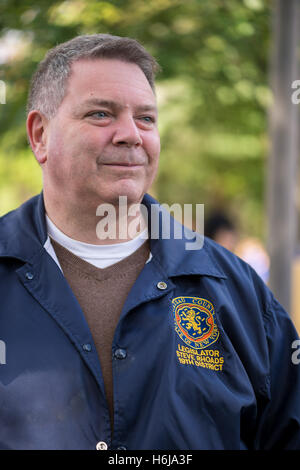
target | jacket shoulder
[{"x": 23, "y": 229}]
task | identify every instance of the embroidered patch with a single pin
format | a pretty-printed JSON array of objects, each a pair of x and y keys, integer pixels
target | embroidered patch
[
  {"x": 194, "y": 320},
  {"x": 206, "y": 358}
]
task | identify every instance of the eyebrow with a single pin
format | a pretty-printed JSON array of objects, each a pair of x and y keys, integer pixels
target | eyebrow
[{"x": 114, "y": 105}]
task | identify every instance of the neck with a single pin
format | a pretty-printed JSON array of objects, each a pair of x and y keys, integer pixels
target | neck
[{"x": 102, "y": 224}]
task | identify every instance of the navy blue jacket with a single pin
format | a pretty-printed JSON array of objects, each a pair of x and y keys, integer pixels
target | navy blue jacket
[{"x": 202, "y": 354}]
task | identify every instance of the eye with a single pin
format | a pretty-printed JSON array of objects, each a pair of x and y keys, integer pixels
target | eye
[
  {"x": 148, "y": 119},
  {"x": 99, "y": 114}
]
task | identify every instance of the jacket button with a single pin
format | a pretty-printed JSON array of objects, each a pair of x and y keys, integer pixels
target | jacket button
[
  {"x": 29, "y": 276},
  {"x": 87, "y": 347},
  {"x": 101, "y": 445},
  {"x": 120, "y": 354},
  {"x": 161, "y": 285}
]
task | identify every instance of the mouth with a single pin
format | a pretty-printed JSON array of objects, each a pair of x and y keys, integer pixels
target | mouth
[{"x": 124, "y": 165}]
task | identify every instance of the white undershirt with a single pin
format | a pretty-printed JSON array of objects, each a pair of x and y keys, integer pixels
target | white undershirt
[{"x": 100, "y": 256}]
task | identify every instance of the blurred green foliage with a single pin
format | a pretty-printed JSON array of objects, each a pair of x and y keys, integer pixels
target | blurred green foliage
[{"x": 213, "y": 93}]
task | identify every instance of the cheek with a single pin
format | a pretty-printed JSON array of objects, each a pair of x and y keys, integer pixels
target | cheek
[
  {"x": 55, "y": 150},
  {"x": 152, "y": 146},
  {"x": 65, "y": 148},
  {"x": 153, "y": 151},
  {"x": 60, "y": 160},
  {"x": 87, "y": 142},
  {"x": 57, "y": 138}
]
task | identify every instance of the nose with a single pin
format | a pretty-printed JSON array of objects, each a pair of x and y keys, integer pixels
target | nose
[{"x": 127, "y": 133}]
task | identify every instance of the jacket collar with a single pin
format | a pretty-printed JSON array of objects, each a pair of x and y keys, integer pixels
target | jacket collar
[
  {"x": 172, "y": 253},
  {"x": 23, "y": 234}
]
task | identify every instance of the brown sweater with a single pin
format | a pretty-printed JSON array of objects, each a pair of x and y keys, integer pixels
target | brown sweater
[{"x": 101, "y": 293}]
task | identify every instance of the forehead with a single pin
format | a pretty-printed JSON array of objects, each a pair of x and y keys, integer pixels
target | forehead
[{"x": 108, "y": 79}]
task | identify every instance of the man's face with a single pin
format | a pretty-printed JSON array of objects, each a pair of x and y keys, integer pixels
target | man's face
[{"x": 103, "y": 142}]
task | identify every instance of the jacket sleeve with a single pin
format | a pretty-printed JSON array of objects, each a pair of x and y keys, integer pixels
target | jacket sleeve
[{"x": 279, "y": 415}]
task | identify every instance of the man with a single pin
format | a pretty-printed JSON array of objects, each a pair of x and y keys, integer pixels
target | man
[{"x": 127, "y": 342}]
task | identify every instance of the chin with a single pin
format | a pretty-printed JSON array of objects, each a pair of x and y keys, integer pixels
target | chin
[
  {"x": 134, "y": 195},
  {"x": 114, "y": 198}
]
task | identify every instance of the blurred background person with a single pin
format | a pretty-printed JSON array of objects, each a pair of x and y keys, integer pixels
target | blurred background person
[{"x": 220, "y": 228}]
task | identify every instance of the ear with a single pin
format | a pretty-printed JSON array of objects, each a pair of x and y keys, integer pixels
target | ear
[{"x": 37, "y": 132}]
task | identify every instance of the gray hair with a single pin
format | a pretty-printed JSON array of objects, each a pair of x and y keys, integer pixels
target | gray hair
[{"x": 49, "y": 82}]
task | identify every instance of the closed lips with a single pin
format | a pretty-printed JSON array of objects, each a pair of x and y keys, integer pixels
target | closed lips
[{"x": 123, "y": 164}]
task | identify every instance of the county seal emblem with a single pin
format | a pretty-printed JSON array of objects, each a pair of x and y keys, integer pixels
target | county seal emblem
[{"x": 194, "y": 320}]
